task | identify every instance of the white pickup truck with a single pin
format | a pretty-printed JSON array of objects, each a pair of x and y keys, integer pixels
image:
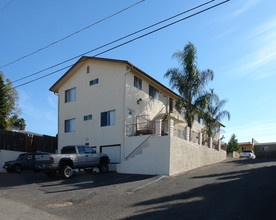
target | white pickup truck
[
  {"x": 71, "y": 157},
  {"x": 247, "y": 154}
]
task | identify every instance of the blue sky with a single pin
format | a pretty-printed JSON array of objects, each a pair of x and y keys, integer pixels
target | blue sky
[{"x": 237, "y": 40}]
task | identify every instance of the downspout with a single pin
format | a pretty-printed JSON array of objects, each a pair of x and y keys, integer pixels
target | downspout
[
  {"x": 124, "y": 114},
  {"x": 57, "y": 94}
]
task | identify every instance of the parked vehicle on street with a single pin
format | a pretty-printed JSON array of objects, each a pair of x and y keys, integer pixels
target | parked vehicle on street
[
  {"x": 248, "y": 154},
  {"x": 25, "y": 161},
  {"x": 72, "y": 157}
]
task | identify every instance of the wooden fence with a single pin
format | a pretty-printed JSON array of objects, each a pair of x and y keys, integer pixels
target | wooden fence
[{"x": 16, "y": 141}]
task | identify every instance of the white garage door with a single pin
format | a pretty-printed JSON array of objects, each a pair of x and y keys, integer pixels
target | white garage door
[{"x": 113, "y": 151}]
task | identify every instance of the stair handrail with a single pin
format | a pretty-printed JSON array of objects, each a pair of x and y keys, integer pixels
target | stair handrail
[{"x": 132, "y": 152}]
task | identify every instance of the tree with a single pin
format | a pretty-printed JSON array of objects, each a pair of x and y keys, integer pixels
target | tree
[
  {"x": 190, "y": 83},
  {"x": 233, "y": 144},
  {"x": 16, "y": 122},
  {"x": 8, "y": 102},
  {"x": 214, "y": 113},
  {"x": 3, "y": 104}
]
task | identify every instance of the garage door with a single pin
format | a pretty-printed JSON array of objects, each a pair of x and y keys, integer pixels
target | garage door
[{"x": 113, "y": 151}]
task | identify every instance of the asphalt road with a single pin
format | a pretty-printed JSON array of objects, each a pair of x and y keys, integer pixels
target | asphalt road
[{"x": 233, "y": 189}]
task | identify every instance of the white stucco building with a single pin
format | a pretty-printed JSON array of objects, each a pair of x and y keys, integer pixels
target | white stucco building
[{"x": 118, "y": 109}]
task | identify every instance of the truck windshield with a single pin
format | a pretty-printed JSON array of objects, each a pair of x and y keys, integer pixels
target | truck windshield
[{"x": 68, "y": 150}]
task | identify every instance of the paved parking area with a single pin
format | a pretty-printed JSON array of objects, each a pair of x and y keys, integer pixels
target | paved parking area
[{"x": 233, "y": 189}]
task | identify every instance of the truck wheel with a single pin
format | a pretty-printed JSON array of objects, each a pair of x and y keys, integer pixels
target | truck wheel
[
  {"x": 67, "y": 172},
  {"x": 51, "y": 173},
  {"x": 103, "y": 167},
  {"x": 17, "y": 169}
]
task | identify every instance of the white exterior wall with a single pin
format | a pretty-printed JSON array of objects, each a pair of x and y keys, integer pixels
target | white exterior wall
[
  {"x": 7, "y": 155},
  {"x": 154, "y": 159},
  {"x": 165, "y": 155},
  {"x": 105, "y": 96},
  {"x": 186, "y": 156},
  {"x": 147, "y": 106}
]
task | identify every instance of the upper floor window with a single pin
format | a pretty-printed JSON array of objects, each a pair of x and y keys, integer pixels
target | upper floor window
[
  {"x": 153, "y": 93},
  {"x": 200, "y": 120},
  {"x": 70, "y": 125},
  {"x": 137, "y": 82},
  {"x": 94, "y": 81},
  {"x": 70, "y": 95},
  {"x": 171, "y": 106},
  {"x": 87, "y": 117},
  {"x": 88, "y": 69},
  {"x": 108, "y": 118}
]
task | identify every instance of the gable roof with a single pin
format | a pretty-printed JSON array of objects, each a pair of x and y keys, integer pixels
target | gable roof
[{"x": 54, "y": 88}]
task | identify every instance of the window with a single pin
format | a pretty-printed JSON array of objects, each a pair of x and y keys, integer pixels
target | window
[
  {"x": 89, "y": 150},
  {"x": 93, "y": 82},
  {"x": 265, "y": 148},
  {"x": 68, "y": 150},
  {"x": 87, "y": 117},
  {"x": 70, "y": 125},
  {"x": 137, "y": 82},
  {"x": 88, "y": 69},
  {"x": 108, "y": 118},
  {"x": 153, "y": 93},
  {"x": 171, "y": 106},
  {"x": 200, "y": 120},
  {"x": 70, "y": 95},
  {"x": 81, "y": 149}
]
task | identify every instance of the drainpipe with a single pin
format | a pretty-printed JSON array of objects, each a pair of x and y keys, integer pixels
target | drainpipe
[{"x": 57, "y": 94}]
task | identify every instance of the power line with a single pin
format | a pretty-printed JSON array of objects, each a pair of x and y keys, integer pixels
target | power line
[
  {"x": 112, "y": 42},
  {"x": 127, "y": 42},
  {"x": 1, "y": 9},
  {"x": 70, "y": 35}
]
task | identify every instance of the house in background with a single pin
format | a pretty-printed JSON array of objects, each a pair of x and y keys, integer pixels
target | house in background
[
  {"x": 262, "y": 150},
  {"x": 247, "y": 145},
  {"x": 265, "y": 150},
  {"x": 120, "y": 110}
]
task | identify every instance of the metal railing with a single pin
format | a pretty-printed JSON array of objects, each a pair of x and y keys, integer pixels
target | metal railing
[{"x": 139, "y": 149}]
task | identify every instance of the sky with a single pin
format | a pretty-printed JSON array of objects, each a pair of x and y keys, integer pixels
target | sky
[{"x": 237, "y": 40}]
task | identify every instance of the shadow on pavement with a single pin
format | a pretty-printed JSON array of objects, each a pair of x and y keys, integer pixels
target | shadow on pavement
[
  {"x": 246, "y": 194},
  {"x": 77, "y": 182}
]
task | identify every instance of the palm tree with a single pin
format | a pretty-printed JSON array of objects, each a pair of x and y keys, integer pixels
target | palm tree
[
  {"x": 214, "y": 113},
  {"x": 190, "y": 82}
]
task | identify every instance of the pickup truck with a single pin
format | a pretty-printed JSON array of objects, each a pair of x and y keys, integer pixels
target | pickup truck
[
  {"x": 72, "y": 157},
  {"x": 248, "y": 154}
]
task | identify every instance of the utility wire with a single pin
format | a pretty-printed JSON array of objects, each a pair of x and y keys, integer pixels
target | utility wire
[
  {"x": 1, "y": 9},
  {"x": 112, "y": 42},
  {"x": 70, "y": 35},
  {"x": 127, "y": 42}
]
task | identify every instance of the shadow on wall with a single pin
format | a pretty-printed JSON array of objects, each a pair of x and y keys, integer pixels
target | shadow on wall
[{"x": 238, "y": 196}]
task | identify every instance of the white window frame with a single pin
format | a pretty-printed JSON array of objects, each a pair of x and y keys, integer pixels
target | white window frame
[
  {"x": 70, "y": 125},
  {"x": 109, "y": 118},
  {"x": 70, "y": 95},
  {"x": 137, "y": 82},
  {"x": 153, "y": 93}
]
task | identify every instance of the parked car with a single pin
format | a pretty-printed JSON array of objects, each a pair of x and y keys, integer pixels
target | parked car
[
  {"x": 248, "y": 154},
  {"x": 72, "y": 157},
  {"x": 25, "y": 161}
]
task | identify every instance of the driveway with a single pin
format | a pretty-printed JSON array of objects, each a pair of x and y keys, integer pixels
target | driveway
[{"x": 233, "y": 189}]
